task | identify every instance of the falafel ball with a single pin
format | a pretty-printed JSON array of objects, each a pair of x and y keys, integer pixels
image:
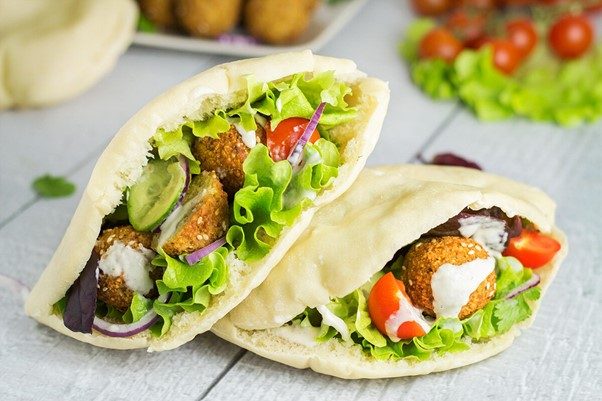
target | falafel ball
[
  {"x": 208, "y": 18},
  {"x": 426, "y": 256},
  {"x": 113, "y": 290},
  {"x": 226, "y": 155},
  {"x": 205, "y": 222},
  {"x": 159, "y": 12},
  {"x": 277, "y": 21}
]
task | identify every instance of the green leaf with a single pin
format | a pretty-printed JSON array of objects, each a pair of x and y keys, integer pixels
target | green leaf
[
  {"x": 273, "y": 196},
  {"x": 138, "y": 308},
  {"x": 190, "y": 286},
  {"x": 49, "y": 186},
  {"x": 145, "y": 25},
  {"x": 413, "y": 36},
  {"x": 543, "y": 89}
]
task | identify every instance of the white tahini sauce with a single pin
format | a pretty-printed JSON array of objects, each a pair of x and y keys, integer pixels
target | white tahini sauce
[
  {"x": 406, "y": 313},
  {"x": 297, "y": 334},
  {"x": 332, "y": 320},
  {"x": 490, "y": 233},
  {"x": 134, "y": 264},
  {"x": 452, "y": 284},
  {"x": 248, "y": 137}
]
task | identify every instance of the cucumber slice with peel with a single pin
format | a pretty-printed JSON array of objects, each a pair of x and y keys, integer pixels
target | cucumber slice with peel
[{"x": 153, "y": 196}]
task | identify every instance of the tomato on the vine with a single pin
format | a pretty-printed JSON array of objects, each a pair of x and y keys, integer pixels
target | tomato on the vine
[
  {"x": 571, "y": 36},
  {"x": 506, "y": 56},
  {"x": 439, "y": 43},
  {"x": 467, "y": 26},
  {"x": 521, "y": 32}
]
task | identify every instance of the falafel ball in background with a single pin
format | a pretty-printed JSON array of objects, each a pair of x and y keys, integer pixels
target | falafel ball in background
[
  {"x": 278, "y": 21},
  {"x": 226, "y": 155},
  {"x": 426, "y": 256},
  {"x": 113, "y": 290},
  {"x": 159, "y": 12},
  {"x": 208, "y": 18}
]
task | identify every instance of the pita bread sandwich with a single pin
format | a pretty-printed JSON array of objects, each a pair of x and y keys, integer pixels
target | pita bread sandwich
[
  {"x": 415, "y": 269},
  {"x": 202, "y": 192}
]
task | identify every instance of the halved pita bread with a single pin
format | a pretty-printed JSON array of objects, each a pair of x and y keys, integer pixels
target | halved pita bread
[
  {"x": 121, "y": 164},
  {"x": 354, "y": 237}
]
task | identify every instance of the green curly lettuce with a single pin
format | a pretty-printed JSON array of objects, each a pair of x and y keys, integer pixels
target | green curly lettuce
[
  {"x": 447, "y": 335},
  {"x": 296, "y": 96},
  {"x": 544, "y": 89},
  {"x": 273, "y": 195},
  {"x": 189, "y": 287}
]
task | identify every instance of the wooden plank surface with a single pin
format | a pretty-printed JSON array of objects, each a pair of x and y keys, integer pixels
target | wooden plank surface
[{"x": 558, "y": 358}]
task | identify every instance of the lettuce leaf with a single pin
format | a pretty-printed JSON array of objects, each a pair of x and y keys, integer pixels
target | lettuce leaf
[
  {"x": 190, "y": 287},
  {"x": 274, "y": 195},
  {"x": 296, "y": 96},
  {"x": 447, "y": 335},
  {"x": 544, "y": 89}
]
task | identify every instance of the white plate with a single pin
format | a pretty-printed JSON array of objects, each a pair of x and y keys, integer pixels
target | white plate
[{"x": 326, "y": 22}]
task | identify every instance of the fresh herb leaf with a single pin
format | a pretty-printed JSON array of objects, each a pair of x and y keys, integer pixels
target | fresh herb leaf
[{"x": 49, "y": 186}]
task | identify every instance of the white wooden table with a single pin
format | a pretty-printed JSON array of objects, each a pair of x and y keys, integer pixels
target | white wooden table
[{"x": 559, "y": 358}]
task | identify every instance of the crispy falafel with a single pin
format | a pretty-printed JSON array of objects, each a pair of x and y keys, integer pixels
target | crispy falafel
[
  {"x": 277, "y": 21},
  {"x": 113, "y": 290},
  {"x": 208, "y": 18},
  {"x": 205, "y": 216},
  {"x": 159, "y": 12},
  {"x": 426, "y": 256},
  {"x": 226, "y": 155}
]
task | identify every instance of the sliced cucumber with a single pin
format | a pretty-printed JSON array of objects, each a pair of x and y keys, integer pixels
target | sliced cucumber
[{"x": 154, "y": 195}]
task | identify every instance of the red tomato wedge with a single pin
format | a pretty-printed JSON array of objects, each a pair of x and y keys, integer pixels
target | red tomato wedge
[
  {"x": 283, "y": 138},
  {"x": 384, "y": 301},
  {"x": 532, "y": 248}
]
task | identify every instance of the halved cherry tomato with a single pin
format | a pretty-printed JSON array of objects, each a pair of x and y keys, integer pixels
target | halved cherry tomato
[
  {"x": 283, "y": 138},
  {"x": 532, "y": 248},
  {"x": 506, "y": 56},
  {"x": 521, "y": 32},
  {"x": 440, "y": 43},
  {"x": 383, "y": 301},
  {"x": 571, "y": 36}
]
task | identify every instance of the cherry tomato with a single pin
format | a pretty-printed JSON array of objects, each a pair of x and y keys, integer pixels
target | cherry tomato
[
  {"x": 431, "y": 7},
  {"x": 383, "y": 301},
  {"x": 283, "y": 138},
  {"x": 532, "y": 248},
  {"x": 467, "y": 26},
  {"x": 521, "y": 32},
  {"x": 506, "y": 56},
  {"x": 571, "y": 36},
  {"x": 440, "y": 43}
]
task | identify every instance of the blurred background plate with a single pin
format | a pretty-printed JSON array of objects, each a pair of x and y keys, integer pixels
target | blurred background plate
[{"x": 327, "y": 21}]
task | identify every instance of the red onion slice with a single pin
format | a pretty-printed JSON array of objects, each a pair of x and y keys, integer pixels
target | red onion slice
[
  {"x": 126, "y": 330},
  {"x": 295, "y": 157},
  {"x": 195, "y": 256},
  {"x": 532, "y": 282}
]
